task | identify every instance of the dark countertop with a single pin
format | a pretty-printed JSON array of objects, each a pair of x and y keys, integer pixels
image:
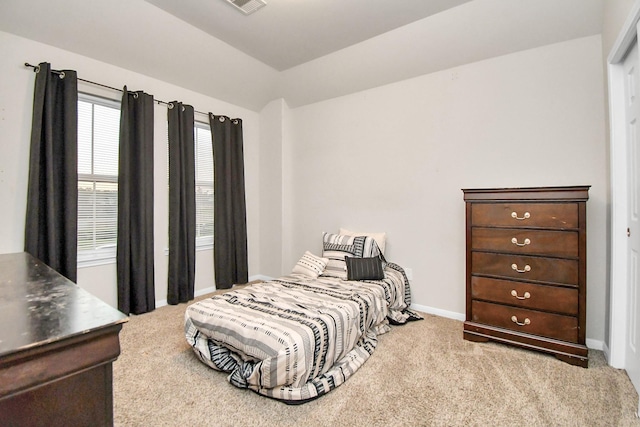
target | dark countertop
[{"x": 39, "y": 306}]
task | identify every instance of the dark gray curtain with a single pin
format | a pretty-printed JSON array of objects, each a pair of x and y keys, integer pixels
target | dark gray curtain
[
  {"x": 51, "y": 229},
  {"x": 230, "y": 212},
  {"x": 182, "y": 204},
  {"x": 136, "y": 292}
]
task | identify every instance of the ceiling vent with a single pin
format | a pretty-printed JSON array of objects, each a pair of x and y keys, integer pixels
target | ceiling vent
[{"x": 247, "y": 6}]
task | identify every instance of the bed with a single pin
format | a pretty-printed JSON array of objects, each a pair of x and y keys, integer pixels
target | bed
[{"x": 298, "y": 337}]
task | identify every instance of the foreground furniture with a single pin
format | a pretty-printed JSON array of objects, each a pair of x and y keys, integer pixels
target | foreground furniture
[
  {"x": 526, "y": 268},
  {"x": 57, "y": 344}
]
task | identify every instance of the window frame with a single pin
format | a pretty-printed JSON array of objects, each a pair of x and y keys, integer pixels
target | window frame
[
  {"x": 204, "y": 242},
  {"x": 107, "y": 254}
]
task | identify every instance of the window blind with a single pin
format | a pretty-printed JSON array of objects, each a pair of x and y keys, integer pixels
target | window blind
[
  {"x": 98, "y": 136},
  {"x": 204, "y": 184}
]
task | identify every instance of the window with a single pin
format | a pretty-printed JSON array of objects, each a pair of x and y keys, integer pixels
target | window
[
  {"x": 204, "y": 185},
  {"x": 98, "y": 137}
]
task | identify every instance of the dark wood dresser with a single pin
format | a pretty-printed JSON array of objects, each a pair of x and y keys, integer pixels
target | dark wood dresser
[
  {"x": 57, "y": 344},
  {"x": 526, "y": 268}
]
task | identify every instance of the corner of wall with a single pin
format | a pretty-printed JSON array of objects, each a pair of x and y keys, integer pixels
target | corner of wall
[{"x": 272, "y": 119}]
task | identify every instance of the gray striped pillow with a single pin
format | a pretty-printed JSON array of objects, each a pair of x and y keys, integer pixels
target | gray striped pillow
[{"x": 310, "y": 265}]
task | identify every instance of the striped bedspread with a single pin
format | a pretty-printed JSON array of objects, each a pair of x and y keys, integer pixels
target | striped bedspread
[{"x": 296, "y": 338}]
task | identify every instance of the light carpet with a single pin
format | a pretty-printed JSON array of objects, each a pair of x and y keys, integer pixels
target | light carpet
[{"x": 421, "y": 374}]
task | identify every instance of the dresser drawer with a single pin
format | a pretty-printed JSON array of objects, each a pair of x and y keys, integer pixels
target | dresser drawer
[
  {"x": 526, "y": 295},
  {"x": 552, "y": 270},
  {"x": 545, "y": 215},
  {"x": 526, "y": 321},
  {"x": 524, "y": 241}
]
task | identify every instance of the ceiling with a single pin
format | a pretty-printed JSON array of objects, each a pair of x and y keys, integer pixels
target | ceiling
[
  {"x": 302, "y": 51},
  {"x": 287, "y": 33}
]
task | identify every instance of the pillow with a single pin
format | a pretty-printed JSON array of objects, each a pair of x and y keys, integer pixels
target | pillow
[
  {"x": 380, "y": 238},
  {"x": 310, "y": 265},
  {"x": 364, "y": 268},
  {"x": 336, "y": 247}
]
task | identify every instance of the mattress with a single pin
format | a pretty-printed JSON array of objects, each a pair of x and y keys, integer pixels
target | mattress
[{"x": 296, "y": 338}]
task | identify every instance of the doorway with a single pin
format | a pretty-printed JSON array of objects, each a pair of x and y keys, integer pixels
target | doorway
[{"x": 623, "y": 331}]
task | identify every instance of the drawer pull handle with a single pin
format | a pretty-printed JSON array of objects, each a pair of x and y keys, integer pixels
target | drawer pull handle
[
  {"x": 526, "y": 322},
  {"x": 524, "y": 270},
  {"x": 527, "y": 215},
  {"x": 525, "y": 243},
  {"x": 527, "y": 295}
]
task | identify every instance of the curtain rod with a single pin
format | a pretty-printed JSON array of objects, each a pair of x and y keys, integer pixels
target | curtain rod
[{"x": 169, "y": 105}]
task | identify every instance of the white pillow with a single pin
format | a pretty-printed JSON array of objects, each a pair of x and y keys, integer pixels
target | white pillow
[
  {"x": 310, "y": 265},
  {"x": 380, "y": 238}
]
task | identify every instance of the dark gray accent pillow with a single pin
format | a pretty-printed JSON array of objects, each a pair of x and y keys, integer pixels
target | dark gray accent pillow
[{"x": 364, "y": 268}]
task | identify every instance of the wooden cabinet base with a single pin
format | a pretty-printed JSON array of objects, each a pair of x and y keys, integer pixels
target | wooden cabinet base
[
  {"x": 66, "y": 383},
  {"x": 574, "y": 354},
  {"x": 83, "y": 399}
]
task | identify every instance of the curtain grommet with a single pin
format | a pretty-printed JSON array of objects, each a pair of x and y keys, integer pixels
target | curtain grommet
[
  {"x": 170, "y": 105},
  {"x": 61, "y": 75},
  {"x": 221, "y": 118}
]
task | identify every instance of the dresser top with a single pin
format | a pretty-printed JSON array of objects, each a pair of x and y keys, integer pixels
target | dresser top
[
  {"x": 39, "y": 306},
  {"x": 572, "y": 193}
]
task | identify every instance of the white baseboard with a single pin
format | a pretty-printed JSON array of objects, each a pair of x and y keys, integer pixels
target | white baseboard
[
  {"x": 607, "y": 353},
  {"x": 260, "y": 277},
  {"x": 199, "y": 292},
  {"x": 595, "y": 344},
  {"x": 438, "y": 312},
  {"x": 210, "y": 289}
]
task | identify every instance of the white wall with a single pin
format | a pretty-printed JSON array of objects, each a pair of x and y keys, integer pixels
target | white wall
[
  {"x": 615, "y": 12},
  {"x": 396, "y": 157},
  {"x": 271, "y": 134},
  {"x": 468, "y": 33},
  {"x": 16, "y": 95},
  {"x": 137, "y": 35}
]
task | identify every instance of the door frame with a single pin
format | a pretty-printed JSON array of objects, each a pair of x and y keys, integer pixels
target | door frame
[{"x": 618, "y": 164}]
